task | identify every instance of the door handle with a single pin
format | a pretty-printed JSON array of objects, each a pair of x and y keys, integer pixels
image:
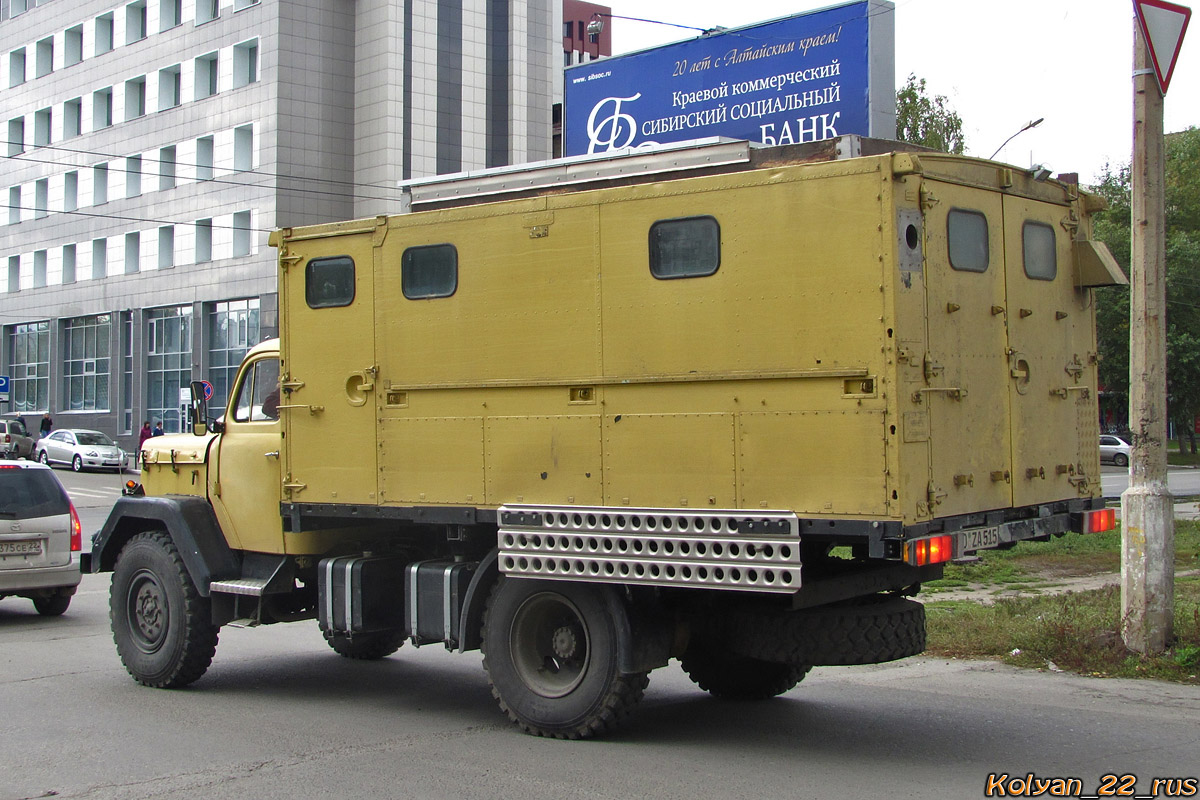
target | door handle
[{"x": 272, "y": 454}]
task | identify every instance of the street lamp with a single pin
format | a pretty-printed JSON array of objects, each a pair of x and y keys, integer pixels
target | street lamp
[
  {"x": 1029, "y": 125},
  {"x": 596, "y": 25}
]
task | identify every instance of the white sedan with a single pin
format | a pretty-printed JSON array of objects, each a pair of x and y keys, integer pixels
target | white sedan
[{"x": 81, "y": 449}]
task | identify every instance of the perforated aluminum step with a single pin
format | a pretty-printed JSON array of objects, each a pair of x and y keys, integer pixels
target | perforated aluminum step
[{"x": 253, "y": 587}]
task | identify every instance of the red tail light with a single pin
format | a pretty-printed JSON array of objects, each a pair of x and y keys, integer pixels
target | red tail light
[
  {"x": 76, "y": 531},
  {"x": 1097, "y": 521},
  {"x": 934, "y": 550},
  {"x": 7, "y": 438}
]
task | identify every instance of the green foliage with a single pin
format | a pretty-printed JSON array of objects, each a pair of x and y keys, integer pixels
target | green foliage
[
  {"x": 1113, "y": 227},
  {"x": 927, "y": 121}
]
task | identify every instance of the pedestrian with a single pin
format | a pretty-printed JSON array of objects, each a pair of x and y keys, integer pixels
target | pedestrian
[
  {"x": 144, "y": 434},
  {"x": 158, "y": 429},
  {"x": 47, "y": 425}
]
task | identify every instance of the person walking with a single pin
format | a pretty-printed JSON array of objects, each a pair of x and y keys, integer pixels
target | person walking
[
  {"x": 158, "y": 429},
  {"x": 144, "y": 434},
  {"x": 47, "y": 425}
]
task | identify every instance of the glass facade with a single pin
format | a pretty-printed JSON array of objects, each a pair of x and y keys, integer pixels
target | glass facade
[
  {"x": 29, "y": 365},
  {"x": 86, "y": 363},
  {"x": 168, "y": 363},
  {"x": 232, "y": 331}
]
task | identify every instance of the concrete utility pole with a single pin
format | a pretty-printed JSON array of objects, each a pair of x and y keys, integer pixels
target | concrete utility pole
[{"x": 1147, "y": 509}]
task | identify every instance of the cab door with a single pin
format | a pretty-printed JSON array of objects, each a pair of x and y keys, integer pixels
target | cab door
[
  {"x": 328, "y": 369},
  {"x": 965, "y": 378},
  {"x": 246, "y": 490},
  {"x": 1050, "y": 338}
]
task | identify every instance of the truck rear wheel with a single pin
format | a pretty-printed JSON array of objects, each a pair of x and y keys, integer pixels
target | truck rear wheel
[
  {"x": 735, "y": 677},
  {"x": 365, "y": 646},
  {"x": 161, "y": 625},
  {"x": 550, "y": 649}
]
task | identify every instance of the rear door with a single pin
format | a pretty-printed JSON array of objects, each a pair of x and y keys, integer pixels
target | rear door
[
  {"x": 1050, "y": 340},
  {"x": 328, "y": 369},
  {"x": 966, "y": 388}
]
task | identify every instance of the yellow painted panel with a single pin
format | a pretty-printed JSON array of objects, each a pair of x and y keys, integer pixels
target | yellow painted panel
[
  {"x": 669, "y": 460},
  {"x": 817, "y": 462},
  {"x": 432, "y": 460},
  {"x": 544, "y": 459}
]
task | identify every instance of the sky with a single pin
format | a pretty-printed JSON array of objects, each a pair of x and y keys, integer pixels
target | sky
[{"x": 999, "y": 64}]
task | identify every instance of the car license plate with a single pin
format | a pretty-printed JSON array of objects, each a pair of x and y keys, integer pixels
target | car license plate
[
  {"x": 980, "y": 538},
  {"x": 24, "y": 548}
]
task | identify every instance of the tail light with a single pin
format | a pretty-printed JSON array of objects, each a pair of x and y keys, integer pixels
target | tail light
[
  {"x": 932, "y": 550},
  {"x": 76, "y": 531},
  {"x": 8, "y": 438},
  {"x": 1105, "y": 519}
]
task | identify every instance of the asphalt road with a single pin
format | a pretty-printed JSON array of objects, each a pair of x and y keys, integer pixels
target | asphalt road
[{"x": 279, "y": 715}]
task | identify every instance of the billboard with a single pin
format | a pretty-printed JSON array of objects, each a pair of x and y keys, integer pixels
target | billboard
[{"x": 798, "y": 79}]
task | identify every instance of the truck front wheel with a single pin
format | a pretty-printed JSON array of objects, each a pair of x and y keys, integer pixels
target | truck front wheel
[
  {"x": 735, "y": 677},
  {"x": 162, "y": 626},
  {"x": 551, "y": 654}
]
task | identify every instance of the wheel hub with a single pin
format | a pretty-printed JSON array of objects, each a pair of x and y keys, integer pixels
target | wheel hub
[
  {"x": 565, "y": 642},
  {"x": 549, "y": 645},
  {"x": 147, "y": 612}
]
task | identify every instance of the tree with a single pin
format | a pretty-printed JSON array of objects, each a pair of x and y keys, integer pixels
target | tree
[
  {"x": 1112, "y": 226},
  {"x": 927, "y": 121}
]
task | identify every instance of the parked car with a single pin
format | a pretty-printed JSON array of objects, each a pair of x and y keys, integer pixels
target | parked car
[
  {"x": 40, "y": 538},
  {"x": 1114, "y": 449},
  {"x": 81, "y": 449},
  {"x": 15, "y": 441}
]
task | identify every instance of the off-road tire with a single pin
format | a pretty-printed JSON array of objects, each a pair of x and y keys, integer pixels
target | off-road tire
[
  {"x": 53, "y": 606},
  {"x": 161, "y": 625},
  {"x": 734, "y": 677},
  {"x": 364, "y": 646},
  {"x": 579, "y": 694},
  {"x": 869, "y": 631}
]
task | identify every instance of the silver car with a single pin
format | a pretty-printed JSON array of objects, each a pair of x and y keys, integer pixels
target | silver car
[
  {"x": 40, "y": 537},
  {"x": 81, "y": 449},
  {"x": 1114, "y": 449},
  {"x": 15, "y": 441}
]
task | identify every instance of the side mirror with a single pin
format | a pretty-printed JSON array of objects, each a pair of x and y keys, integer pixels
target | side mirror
[
  {"x": 199, "y": 408},
  {"x": 216, "y": 426}
]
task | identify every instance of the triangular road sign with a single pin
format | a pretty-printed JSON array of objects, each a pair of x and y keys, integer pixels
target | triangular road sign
[{"x": 1163, "y": 25}]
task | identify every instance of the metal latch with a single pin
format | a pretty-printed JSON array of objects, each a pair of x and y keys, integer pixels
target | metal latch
[
  {"x": 932, "y": 368},
  {"x": 311, "y": 409},
  {"x": 1084, "y": 392},
  {"x": 953, "y": 392},
  {"x": 290, "y": 485}
]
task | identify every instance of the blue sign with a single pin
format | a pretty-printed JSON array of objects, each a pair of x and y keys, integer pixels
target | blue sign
[
  {"x": 798, "y": 79},
  {"x": 4, "y": 387}
]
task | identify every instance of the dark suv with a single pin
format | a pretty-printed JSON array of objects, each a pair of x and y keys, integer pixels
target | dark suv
[
  {"x": 15, "y": 441},
  {"x": 40, "y": 537}
]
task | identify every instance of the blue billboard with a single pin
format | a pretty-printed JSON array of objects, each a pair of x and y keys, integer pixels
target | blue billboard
[{"x": 798, "y": 79}]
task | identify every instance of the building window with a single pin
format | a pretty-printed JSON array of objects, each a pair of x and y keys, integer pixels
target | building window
[
  {"x": 135, "y": 98},
  {"x": 29, "y": 367},
  {"x": 41, "y": 198},
  {"x": 170, "y": 14},
  {"x": 99, "y": 258},
  {"x": 204, "y": 158},
  {"x": 430, "y": 271},
  {"x": 133, "y": 252},
  {"x": 73, "y": 118},
  {"x": 232, "y": 331},
  {"x": 45, "y": 57},
  {"x": 207, "y": 11},
  {"x": 685, "y": 248},
  {"x": 241, "y": 233},
  {"x": 73, "y": 40},
  {"x": 104, "y": 33},
  {"x": 135, "y": 22},
  {"x": 133, "y": 176},
  {"x": 16, "y": 67},
  {"x": 16, "y": 136},
  {"x": 203, "y": 241},
  {"x": 238, "y": 5},
  {"x": 16, "y": 7},
  {"x": 14, "y": 274},
  {"x": 166, "y": 168},
  {"x": 68, "y": 263},
  {"x": 71, "y": 191},
  {"x": 99, "y": 184},
  {"x": 245, "y": 63},
  {"x": 166, "y": 246},
  {"x": 168, "y": 363},
  {"x": 39, "y": 269},
  {"x": 127, "y": 368},
  {"x": 86, "y": 362},
  {"x": 170, "y": 80},
  {"x": 14, "y": 205},
  {"x": 329, "y": 282},
  {"x": 102, "y": 108},
  {"x": 1038, "y": 244},
  {"x": 206, "y": 75},
  {"x": 243, "y": 148},
  {"x": 41, "y": 127}
]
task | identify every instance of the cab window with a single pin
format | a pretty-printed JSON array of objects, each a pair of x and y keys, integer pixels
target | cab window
[
  {"x": 429, "y": 271},
  {"x": 329, "y": 282},
  {"x": 967, "y": 239},
  {"x": 258, "y": 396},
  {"x": 685, "y": 248},
  {"x": 1040, "y": 259}
]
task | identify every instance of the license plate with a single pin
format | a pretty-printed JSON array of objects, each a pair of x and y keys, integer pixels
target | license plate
[
  {"x": 980, "y": 538},
  {"x": 25, "y": 548}
]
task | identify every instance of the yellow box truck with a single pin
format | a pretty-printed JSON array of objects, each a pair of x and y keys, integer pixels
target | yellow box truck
[{"x": 724, "y": 403}]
